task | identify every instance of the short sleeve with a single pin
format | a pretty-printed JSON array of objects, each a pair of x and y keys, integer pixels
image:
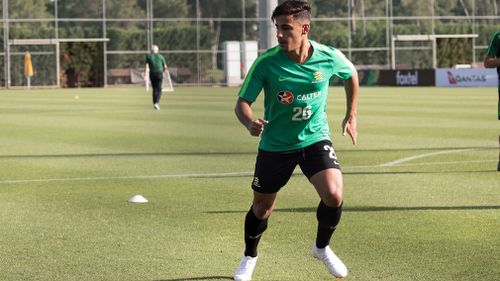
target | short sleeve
[
  {"x": 342, "y": 67},
  {"x": 254, "y": 82},
  {"x": 494, "y": 45}
]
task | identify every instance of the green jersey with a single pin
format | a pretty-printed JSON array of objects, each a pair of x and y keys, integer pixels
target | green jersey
[
  {"x": 494, "y": 51},
  {"x": 294, "y": 95},
  {"x": 156, "y": 63},
  {"x": 494, "y": 48}
]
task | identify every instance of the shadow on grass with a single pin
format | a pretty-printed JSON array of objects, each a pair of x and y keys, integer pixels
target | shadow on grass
[
  {"x": 199, "y": 278},
  {"x": 417, "y": 172},
  {"x": 420, "y": 149},
  {"x": 374, "y": 209},
  {"x": 131, "y": 154},
  {"x": 197, "y": 153}
]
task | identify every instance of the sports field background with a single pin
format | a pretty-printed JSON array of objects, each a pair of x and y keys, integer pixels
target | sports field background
[{"x": 422, "y": 194}]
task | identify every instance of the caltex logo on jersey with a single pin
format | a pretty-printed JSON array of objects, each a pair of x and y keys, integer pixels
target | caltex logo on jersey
[{"x": 285, "y": 97}]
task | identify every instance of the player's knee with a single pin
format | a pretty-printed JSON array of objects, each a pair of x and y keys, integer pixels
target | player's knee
[
  {"x": 333, "y": 200},
  {"x": 262, "y": 210}
]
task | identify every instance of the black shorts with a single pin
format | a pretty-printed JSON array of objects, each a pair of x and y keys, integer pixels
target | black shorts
[{"x": 274, "y": 169}]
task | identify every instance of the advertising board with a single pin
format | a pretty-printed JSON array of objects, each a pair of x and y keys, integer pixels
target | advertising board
[{"x": 466, "y": 77}]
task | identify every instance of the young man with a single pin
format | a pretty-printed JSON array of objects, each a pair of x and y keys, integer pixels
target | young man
[
  {"x": 492, "y": 60},
  {"x": 294, "y": 130},
  {"x": 155, "y": 65}
]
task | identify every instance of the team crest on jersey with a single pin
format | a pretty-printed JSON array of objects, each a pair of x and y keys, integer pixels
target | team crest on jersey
[
  {"x": 285, "y": 97},
  {"x": 318, "y": 77}
]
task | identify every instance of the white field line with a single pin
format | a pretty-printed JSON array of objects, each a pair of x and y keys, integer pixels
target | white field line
[
  {"x": 424, "y": 164},
  {"x": 207, "y": 175},
  {"x": 408, "y": 159},
  {"x": 219, "y": 175}
]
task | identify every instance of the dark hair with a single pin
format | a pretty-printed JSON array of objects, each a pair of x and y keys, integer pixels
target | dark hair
[{"x": 296, "y": 8}]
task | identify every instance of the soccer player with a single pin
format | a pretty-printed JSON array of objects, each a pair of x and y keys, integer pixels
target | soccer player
[
  {"x": 492, "y": 60},
  {"x": 294, "y": 130},
  {"x": 155, "y": 65}
]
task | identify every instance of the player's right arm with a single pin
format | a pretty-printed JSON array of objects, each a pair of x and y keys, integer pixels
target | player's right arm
[
  {"x": 491, "y": 62},
  {"x": 244, "y": 112},
  {"x": 252, "y": 86}
]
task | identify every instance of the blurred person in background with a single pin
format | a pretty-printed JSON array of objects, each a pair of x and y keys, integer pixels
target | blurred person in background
[
  {"x": 492, "y": 60},
  {"x": 155, "y": 66}
]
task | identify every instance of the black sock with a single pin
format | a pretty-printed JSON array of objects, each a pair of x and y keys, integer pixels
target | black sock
[
  {"x": 328, "y": 218},
  {"x": 254, "y": 227}
]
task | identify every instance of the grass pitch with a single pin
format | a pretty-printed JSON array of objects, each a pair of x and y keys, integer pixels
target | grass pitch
[{"x": 422, "y": 195}]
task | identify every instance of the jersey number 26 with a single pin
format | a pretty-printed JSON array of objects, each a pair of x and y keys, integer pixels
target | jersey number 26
[{"x": 301, "y": 114}]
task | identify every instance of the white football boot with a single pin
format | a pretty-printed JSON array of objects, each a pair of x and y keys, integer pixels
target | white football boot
[
  {"x": 332, "y": 262},
  {"x": 245, "y": 269}
]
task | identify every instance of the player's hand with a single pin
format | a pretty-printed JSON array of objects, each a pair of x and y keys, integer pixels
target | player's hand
[
  {"x": 257, "y": 126},
  {"x": 349, "y": 126}
]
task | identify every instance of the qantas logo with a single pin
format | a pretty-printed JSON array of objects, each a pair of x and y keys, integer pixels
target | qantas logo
[
  {"x": 455, "y": 79},
  {"x": 285, "y": 97},
  {"x": 451, "y": 79}
]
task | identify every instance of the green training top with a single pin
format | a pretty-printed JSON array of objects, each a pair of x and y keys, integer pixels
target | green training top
[
  {"x": 494, "y": 51},
  {"x": 494, "y": 48},
  {"x": 156, "y": 63},
  {"x": 294, "y": 95}
]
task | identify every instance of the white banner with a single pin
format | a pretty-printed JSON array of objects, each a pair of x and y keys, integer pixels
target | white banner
[{"x": 466, "y": 77}]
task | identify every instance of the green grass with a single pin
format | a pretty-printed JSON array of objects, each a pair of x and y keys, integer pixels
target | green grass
[{"x": 68, "y": 167}]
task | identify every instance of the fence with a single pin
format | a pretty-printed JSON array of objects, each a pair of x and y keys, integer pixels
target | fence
[{"x": 94, "y": 42}]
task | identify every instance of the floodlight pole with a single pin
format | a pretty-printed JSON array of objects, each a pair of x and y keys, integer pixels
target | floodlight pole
[
  {"x": 393, "y": 53},
  {"x": 149, "y": 15},
  {"x": 104, "y": 45},
  {"x": 58, "y": 48},
  {"x": 474, "y": 30},
  {"x": 434, "y": 53},
  {"x": 349, "y": 28},
  {"x": 390, "y": 33},
  {"x": 56, "y": 20},
  {"x": 198, "y": 63},
  {"x": 243, "y": 16},
  {"x": 58, "y": 64},
  {"x": 6, "y": 42},
  {"x": 387, "y": 35}
]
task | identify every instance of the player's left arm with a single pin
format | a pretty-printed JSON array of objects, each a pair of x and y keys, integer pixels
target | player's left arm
[
  {"x": 349, "y": 125},
  {"x": 243, "y": 110}
]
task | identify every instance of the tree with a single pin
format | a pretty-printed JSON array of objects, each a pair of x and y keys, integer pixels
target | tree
[
  {"x": 80, "y": 9},
  {"x": 165, "y": 8},
  {"x": 212, "y": 12}
]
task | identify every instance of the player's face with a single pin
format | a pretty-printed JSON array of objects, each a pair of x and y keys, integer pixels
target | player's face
[{"x": 290, "y": 32}]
